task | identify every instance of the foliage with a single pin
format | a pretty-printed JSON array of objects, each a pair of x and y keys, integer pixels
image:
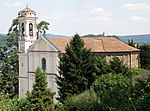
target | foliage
[
  {"x": 40, "y": 98},
  {"x": 131, "y": 43},
  {"x": 76, "y": 69},
  {"x": 4, "y": 100},
  {"x": 9, "y": 64},
  {"x": 145, "y": 56},
  {"x": 144, "y": 103},
  {"x": 143, "y": 85},
  {"x": 101, "y": 66},
  {"x": 142, "y": 90},
  {"x": 114, "y": 92},
  {"x": 117, "y": 66},
  {"x": 86, "y": 101},
  {"x": 137, "y": 73},
  {"x": 42, "y": 27}
]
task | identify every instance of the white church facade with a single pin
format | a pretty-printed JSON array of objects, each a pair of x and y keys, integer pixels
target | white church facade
[
  {"x": 43, "y": 52},
  {"x": 34, "y": 53}
]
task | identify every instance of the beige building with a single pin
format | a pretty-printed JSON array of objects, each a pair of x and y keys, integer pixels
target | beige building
[{"x": 44, "y": 52}]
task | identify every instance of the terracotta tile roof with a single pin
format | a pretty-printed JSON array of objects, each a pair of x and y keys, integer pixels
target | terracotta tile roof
[{"x": 103, "y": 44}]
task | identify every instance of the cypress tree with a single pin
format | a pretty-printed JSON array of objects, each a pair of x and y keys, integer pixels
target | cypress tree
[
  {"x": 40, "y": 98},
  {"x": 76, "y": 69}
]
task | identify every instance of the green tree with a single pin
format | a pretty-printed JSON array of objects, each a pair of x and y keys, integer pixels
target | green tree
[
  {"x": 40, "y": 98},
  {"x": 117, "y": 66},
  {"x": 9, "y": 61},
  {"x": 114, "y": 92},
  {"x": 142, "y": 91},
  {"x": 42, "y": 27},
  {"x": 145, "y": 56},
  {"x": 131, "y": 43},
  {"x": 76, "y": 69},
  {"x": 101, "y": 66}
]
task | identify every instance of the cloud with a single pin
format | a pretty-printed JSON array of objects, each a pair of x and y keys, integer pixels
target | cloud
[
  {"x": 140, "y": 19},
  {"x": 95, "y": 13},
  {"x": 138, "y": 6},
  {"x": 94, "y": 8},
  {"x": 12, "y": 5},
  {"x": 91, "y": 18},
  {"x": 59, "y": 15}
]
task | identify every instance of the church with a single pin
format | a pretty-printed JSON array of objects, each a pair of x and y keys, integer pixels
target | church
[{"x": 44, "y": 52}]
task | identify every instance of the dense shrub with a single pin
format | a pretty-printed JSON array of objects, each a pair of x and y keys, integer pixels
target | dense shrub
[
  {"x": 86, "y": 101},
  {"x": 144, "y": 103},
  {"x": 114, "y": 92},
  {"x": 4, "y": 100}
]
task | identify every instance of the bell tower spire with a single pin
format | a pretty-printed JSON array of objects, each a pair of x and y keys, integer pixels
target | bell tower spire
[{"x": 27, "y": 29}]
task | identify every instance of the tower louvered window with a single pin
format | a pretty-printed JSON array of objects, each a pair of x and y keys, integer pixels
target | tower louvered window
[{"x": 31, "y": 29}]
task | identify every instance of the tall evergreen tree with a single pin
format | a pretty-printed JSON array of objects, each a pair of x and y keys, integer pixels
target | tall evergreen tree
[
  {"x": 9, "y": 61},
  {"x": 76, "y": 69},
  {"x": 40, "y": 98},
  {"x": 101, "y": 66},
  {"x": 117, "y": 66},
  {"x": 145, "y": 56}
]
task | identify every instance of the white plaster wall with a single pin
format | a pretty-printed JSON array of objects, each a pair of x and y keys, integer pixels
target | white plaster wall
[{"x": 23, "y": 76}]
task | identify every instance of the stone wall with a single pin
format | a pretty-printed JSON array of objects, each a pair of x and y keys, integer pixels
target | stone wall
[{"x": 129, "y": 58}]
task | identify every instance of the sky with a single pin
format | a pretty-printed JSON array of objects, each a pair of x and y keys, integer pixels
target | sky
[{"x": 68, "y": 17}]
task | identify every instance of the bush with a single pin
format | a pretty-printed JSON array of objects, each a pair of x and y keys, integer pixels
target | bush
[
  {"x": 114, "y": 92},
  {"x": 138, "y": 71},
  {"x": 86, "y": 101},
  {"x": 4, "y": 100}
]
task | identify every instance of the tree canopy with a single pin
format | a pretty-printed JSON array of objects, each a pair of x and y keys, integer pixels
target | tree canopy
[
  {"x": 76, "y": 69},
  {"x": 42, "y": 27},
  {"x": 9, "y": 65},
  {"x": 40, "y": 98},
  {"x": 145, "y": 56}
]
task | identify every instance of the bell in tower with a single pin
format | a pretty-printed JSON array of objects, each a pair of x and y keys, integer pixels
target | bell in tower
[{"x": 27, "y": 28}]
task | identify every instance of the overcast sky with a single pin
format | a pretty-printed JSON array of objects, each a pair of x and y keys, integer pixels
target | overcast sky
[{"x": 67, "y": 17}]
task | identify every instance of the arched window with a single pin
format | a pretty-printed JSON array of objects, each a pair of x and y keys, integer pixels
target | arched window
[
  {"x": 44, "y": 64},
  {"x": 31, "y": 29},
  {"x": 22, "y": 29}
]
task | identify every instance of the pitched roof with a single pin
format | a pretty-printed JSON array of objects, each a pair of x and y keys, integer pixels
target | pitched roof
[{"x": 103, "y": 44}]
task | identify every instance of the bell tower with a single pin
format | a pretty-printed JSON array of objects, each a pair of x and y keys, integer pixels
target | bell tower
[{"x": 27, "y": 29}]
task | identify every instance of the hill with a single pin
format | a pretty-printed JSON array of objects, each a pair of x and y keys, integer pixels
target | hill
[
  {"x": 55, "y": 36},
  {"x": 144, "y": 38}
]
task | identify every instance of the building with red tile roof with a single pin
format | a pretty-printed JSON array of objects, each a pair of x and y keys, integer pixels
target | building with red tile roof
[{"x": 107, "y": 47}]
